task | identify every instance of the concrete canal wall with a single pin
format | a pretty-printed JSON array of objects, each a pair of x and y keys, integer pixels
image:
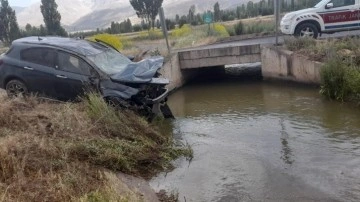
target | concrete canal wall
[
  {"x": 281, "y": 64},
  {"x": 276, "y": 64},
  {"x": 177, "y": 76}
]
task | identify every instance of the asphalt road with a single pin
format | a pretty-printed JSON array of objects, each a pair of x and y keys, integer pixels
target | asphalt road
[{"x": 268, "y": 40}]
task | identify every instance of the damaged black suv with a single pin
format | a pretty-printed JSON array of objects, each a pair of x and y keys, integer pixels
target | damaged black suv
[{"x": 64, "y": 68}]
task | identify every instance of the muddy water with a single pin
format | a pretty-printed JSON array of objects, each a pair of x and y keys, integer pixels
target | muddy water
[{"x": 256, "y": 141}]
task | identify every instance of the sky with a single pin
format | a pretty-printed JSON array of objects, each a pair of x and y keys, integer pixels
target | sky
[{"x": 22, "y": 3}]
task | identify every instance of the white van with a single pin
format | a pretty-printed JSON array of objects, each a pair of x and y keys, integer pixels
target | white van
[{"x": 328, "y": 16}]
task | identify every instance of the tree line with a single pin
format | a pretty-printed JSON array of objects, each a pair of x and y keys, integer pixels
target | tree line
[
  {"x": 9, "y": 28},
  {"x": 248, "y": 10},
  {"x": 146, "y": 10}
]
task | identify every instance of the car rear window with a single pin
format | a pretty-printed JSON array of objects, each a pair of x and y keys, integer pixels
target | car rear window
[{"x": 41, "y": 56}]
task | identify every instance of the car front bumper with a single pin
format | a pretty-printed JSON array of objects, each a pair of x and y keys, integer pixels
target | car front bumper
[
  {"x": 286, "y": 27},
  {"x": 157, "y": 102}
]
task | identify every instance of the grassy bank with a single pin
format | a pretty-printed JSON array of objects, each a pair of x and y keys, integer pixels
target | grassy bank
[
  {"x": 340, "y": 75},
  {"x": 189, "y": 36},
  {"x": 3, "y": 50},
  {"x": 71, "y": 152}
]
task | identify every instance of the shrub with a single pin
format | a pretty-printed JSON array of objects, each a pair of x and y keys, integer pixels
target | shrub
[
  {"x": 239, "y": 28},
  {"x": 340, "y": 80},
  {"x": 231, "y": 30},
  {"x": 333, "y": 84},
  {"x": 352, "y": 79},
  {"x": 258, "y": 27},
  {"x": 220, "y": 30},
  {"x": 109, "y": 39},
  {"x": 125, "y": 42},
  {"x": 137, "y": 28},
  {"x": 183, "y": 31}
]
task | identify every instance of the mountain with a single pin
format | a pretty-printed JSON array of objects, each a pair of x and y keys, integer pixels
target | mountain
[
  {"x": 18, "y": 9},
  {"x": 79, "y": 15}
]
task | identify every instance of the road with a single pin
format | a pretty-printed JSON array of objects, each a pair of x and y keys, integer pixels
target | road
[{"x": 267, "y": 40}]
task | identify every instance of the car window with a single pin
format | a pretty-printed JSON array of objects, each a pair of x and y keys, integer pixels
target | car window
[
  {"x": 41, "y": 56},
  {"x": 341, "y": 3},
  {"x": 110, "y": 61},
  {"x": 73, "y": 64}
]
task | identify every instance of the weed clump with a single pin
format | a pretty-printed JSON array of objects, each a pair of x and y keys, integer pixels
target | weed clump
[
  {"x": 296, "y": 44},
  {"x": 183, "y": 31},
  {"x": 239, "y": 28},
  {"x": 340, "y": 81},
  {"x": 219, "y": 30},
  {"x": 69, "y": 152}
]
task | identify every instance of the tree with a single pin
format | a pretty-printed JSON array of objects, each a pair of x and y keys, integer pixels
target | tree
[
  {"x": 52, "y": 18},
  {"x": 170, "y": 24},
  {"x": 158, "y": 24},
  {"x": 182, "y": 21},
  {"x": 147, "y": 10},
  {"x": 217, "y": 12},
  {"x": 9, "y": 28},
  {"x": 191, "y": 16},
  {"x": 43, "y": 31},
  {"x": 177, "y": 18},
  {"x": 250, "y": 9}
]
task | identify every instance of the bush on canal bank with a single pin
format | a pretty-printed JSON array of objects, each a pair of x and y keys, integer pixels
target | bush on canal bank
[
  {"x": 340, "y": 80},
  {"x": 71, "y": 152},
  {"x": 340, "y": 74}
]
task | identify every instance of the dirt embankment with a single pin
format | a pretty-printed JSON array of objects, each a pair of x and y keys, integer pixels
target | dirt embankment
[{"x": 72, "y": 152}]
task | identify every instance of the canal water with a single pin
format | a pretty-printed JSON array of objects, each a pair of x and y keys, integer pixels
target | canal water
[{"x": 258, "y": 141}]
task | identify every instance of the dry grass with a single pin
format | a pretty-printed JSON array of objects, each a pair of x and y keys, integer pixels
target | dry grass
[
  {"x": 61, "y": 152},
  {"x": 3, "y": 50},
  {"x": 324, "y": 50},
  {"x": 269, "y": 19}
]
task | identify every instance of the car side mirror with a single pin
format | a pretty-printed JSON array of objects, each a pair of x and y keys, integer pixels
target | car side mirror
[{"x": 329, "y": 6}]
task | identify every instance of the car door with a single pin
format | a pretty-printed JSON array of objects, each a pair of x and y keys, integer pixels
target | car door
[
  {"x": 340, "y": 15},
  {"x": 37, "y": 69},
  {"x": 72, "y": 76}
]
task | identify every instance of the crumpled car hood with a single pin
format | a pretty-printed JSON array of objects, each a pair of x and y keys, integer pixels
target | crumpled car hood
[{"x": 139, "y": 72}]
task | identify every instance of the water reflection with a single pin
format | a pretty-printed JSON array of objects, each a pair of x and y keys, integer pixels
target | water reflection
[
  {"x": 264, "y": 142},
  {"x": 286, "y": 150}
]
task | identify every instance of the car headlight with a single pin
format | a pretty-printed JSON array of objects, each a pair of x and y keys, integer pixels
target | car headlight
[{"x": 289, "y": 16}]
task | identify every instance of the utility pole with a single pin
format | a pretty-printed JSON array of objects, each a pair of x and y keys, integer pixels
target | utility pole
[
  {"x": 277, "y": 5},
  {"x": 163, "y": 27}
]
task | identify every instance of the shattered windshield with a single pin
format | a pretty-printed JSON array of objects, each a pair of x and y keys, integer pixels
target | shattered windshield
[{"x": 110, "y": 61}]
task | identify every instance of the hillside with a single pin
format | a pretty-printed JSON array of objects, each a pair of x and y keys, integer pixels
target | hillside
[{"x": 92, "y": 14}]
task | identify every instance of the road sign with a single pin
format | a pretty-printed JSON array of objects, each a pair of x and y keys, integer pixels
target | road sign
[{"x": 207, "y": 18}]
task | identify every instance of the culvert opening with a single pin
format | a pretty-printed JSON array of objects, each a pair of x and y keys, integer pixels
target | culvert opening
[{"x": 246, "y": 72}]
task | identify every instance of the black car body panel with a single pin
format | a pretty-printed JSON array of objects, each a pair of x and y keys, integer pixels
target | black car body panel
[{"x": 62, "y": 68}]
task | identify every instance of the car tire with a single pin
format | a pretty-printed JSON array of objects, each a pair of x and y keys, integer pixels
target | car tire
[
  {"x": 15, "y": 88},
  {"x": 307, "y": 30}
]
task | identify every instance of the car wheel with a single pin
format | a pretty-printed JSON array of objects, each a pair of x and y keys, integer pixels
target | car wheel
[
  {"x": 15, "y": 88},
  {"x": 307, "y": 30}
]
